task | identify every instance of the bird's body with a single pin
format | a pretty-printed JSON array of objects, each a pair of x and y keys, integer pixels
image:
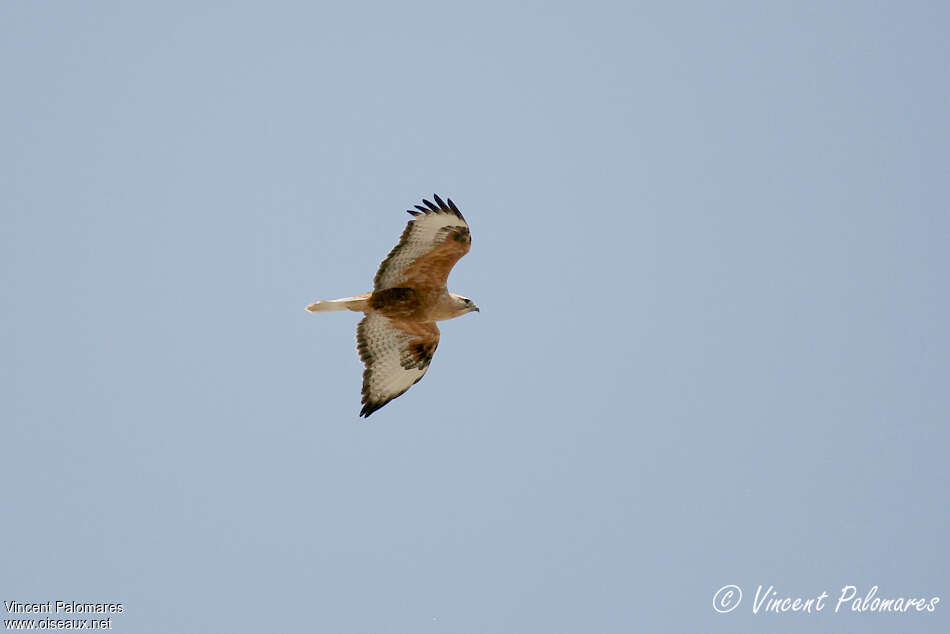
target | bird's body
[{"x": 398, "y": 336}]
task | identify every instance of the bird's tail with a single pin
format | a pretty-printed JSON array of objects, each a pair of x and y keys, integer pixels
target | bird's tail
[{"x": 357, "y": 303}]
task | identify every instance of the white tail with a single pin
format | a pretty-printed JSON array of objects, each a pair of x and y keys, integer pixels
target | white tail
[{"x": 357, "y": 303}]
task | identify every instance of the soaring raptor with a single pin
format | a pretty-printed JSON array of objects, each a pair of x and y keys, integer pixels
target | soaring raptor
[{"x": 397, "y": 336}]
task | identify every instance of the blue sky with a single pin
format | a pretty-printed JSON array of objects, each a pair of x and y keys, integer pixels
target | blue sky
[{"x": 709, "y": 248}]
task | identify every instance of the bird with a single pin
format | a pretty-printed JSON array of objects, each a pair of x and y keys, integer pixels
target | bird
[{"x": 398, "y": 335}]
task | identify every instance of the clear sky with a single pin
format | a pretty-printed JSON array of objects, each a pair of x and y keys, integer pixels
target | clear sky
[{"x": 710, "y": 251}]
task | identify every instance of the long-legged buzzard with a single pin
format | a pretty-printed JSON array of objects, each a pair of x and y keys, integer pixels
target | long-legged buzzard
[{"x": 398, "y": 336}]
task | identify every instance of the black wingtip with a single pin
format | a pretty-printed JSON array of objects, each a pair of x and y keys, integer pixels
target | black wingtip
[
  {"x": 439, "y": 206},
  {"x": 369, "y": 408},
  {"x": 455, "y": 209},
  {"x": 413, "y": 212}
]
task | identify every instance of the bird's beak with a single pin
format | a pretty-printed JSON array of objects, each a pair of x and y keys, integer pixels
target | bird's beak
[{"x": 476, "y": 309}]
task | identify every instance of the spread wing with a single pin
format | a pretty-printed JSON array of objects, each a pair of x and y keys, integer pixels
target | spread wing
[
  {"x": 396, "y": 355},
  {"x": 431, "y": 244}
]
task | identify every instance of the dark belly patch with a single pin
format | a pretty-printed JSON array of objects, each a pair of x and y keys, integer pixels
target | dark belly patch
[{"x": 395, "y": 302}]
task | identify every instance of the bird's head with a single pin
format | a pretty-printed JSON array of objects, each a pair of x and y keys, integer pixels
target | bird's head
[{"x": 465, "y": 305}]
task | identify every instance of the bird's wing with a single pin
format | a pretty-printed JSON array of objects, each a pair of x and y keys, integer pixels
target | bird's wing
[
  {"x": 396, "y": 354},
  {"x": 431, "y": 244}
]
